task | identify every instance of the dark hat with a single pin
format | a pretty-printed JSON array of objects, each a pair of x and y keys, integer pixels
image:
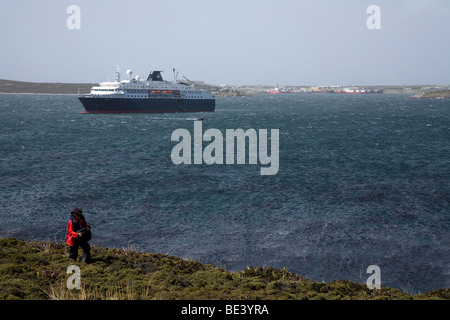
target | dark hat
[{"x": 77, "y": 210}]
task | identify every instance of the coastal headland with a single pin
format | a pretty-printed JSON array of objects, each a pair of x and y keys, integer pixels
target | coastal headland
[{"x": 37, "y": 270}]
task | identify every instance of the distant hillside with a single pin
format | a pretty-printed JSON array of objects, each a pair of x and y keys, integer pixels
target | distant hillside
[{"x": 10, "y": 86}]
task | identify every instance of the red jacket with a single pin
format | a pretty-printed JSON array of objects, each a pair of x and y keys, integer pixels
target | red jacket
[{"x": 72, "y": 227}]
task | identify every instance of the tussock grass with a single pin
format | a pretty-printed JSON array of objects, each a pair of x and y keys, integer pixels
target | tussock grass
[{"x": 37, "y": 271}]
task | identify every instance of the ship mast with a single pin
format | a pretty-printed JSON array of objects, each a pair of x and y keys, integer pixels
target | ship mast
[
  {"x": 174, "y": 75},
  {"x": 117, "y": 74}
]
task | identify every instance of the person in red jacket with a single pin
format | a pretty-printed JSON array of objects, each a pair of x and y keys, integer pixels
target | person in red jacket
[{"x": 75, "y": 238}]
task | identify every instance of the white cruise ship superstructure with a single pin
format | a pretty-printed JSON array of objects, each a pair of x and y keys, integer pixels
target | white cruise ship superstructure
[{"x": 154, "y": 94}]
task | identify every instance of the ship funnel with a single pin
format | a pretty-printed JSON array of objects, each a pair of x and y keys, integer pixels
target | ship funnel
[{"x": 155, "y": 76}]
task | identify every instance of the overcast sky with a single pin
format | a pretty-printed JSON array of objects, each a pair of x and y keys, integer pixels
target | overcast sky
[{"x": 297, "y": 42}]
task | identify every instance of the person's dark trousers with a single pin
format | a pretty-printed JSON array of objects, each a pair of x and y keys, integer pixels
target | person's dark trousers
[{"x": 73, "y": 254}]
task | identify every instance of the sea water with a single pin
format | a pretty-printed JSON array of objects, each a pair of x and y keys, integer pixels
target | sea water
[{"x": 363, "y": 180}]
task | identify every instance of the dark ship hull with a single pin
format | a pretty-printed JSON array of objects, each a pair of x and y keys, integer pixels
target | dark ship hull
[{"x": 148, "y": 105}]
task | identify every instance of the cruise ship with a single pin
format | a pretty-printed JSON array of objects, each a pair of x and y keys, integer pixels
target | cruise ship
[{"x": 154, "y": 94}]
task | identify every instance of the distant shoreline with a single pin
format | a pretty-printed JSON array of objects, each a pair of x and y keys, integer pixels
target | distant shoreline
[
  {"x": 444, "y": 94},
  {"x": 23, "y": 87}
]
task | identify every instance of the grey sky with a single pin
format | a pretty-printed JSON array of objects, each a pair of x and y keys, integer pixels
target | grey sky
[{"x": 297, "y": 42}]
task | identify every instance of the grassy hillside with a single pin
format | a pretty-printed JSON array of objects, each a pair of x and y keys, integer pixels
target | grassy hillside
[{"x": 37, "y": 270}]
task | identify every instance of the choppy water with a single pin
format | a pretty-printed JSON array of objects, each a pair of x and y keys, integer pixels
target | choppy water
[{"x": 363, "y": 180}]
